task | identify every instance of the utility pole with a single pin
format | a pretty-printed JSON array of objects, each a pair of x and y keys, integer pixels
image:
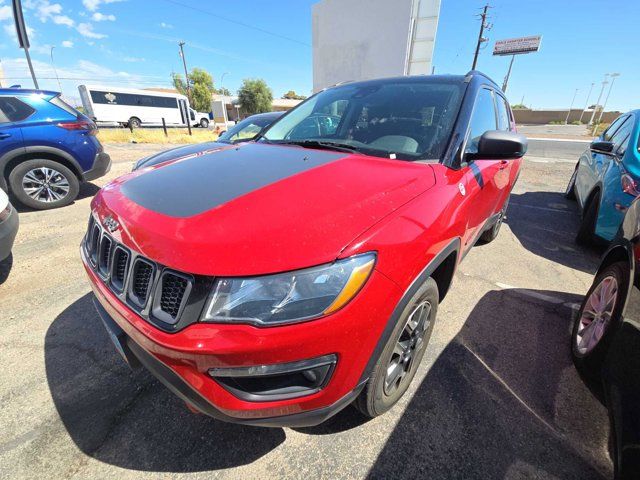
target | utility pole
[
  {"x": 55, "y": 71},
  {"x": 604, "y": 105},
  {"x": 569, "y": 112},
  {"x": 593, "y": 114},
  {"x": 186, "y": 74},
  {"x": 483, "y": 25},
  {"x": 586, "y": 103},
  {"x": 23, "y": 38}
]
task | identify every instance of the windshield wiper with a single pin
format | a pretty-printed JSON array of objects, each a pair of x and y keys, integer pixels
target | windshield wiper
[{"x": 340, "y": 147}]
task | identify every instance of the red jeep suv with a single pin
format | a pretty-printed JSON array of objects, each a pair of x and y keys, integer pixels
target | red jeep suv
[{"x": 275, "y": 282}]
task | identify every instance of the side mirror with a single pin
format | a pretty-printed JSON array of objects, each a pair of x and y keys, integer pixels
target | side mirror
[
  {"x": 499, "y": 144},
  {"x": 601, "y": 146}
]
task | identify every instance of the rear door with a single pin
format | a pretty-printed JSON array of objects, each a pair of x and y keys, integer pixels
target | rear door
[
  {"x": 479, "y": 182},
  {"x": 10, "y": 134}
]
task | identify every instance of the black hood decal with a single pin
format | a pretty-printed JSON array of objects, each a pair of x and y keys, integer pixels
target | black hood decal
[{"x": 205, "y": 181}]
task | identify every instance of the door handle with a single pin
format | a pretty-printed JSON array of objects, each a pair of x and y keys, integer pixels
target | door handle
[{"x": 4, "y": 135}]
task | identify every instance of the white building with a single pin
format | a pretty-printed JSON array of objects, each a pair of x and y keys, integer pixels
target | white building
[{"x": 363, "y": 39}]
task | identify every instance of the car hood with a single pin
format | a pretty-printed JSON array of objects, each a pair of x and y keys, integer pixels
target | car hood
[
  {"x": 255, "y": 208},
  {"x": 173, "y": 153}
]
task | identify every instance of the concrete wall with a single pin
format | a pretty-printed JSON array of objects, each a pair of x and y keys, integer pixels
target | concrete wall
[
  {"x": 542, "y": 117},
  {"x": 363, "y": 39}
]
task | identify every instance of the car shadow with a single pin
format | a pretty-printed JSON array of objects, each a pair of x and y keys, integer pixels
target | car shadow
[
  {"x": 87, "y": 189},
  {"x": 546, "y": 224},
  {"x": 129, "y": 419},
  {"x": 5, "y": 268},
  {"x": 503, "y": 400}
]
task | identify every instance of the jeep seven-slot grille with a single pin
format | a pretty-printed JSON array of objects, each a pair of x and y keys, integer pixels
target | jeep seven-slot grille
[
  {"x": 173, "y": 289},
  {"x": 156, "y": 292}
]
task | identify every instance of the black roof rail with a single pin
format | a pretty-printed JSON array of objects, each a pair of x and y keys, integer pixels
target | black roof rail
[{"x": 472, "y": 73}]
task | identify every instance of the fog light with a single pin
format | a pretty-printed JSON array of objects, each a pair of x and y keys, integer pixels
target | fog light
[{"x": 262, "y": 383}]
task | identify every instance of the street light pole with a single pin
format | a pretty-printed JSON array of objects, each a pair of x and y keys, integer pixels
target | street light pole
[
  {"x": 604, "y": 105},
  {"x": 569, "y": 112},
  {"x": 586, "y": 103},
  {"x": 604, "y": 84},
  {"x": 55, "y": 70},
  {"x": 224, "y": 106}
]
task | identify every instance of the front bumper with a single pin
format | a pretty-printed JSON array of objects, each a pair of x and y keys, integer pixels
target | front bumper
[
  {"x": 182, "y": 360},
  {"x": 8, "y": 232},
  {"x": 101, "y": 166}
]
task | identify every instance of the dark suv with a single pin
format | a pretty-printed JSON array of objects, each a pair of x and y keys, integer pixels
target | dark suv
[{"x": 46, "y": 148}]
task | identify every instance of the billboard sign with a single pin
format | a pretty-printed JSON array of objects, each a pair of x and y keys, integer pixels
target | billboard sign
[{"x": 517, "y": 46}]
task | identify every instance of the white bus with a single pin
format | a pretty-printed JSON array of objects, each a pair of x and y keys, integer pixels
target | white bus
[{"x": 137, "y": 108}]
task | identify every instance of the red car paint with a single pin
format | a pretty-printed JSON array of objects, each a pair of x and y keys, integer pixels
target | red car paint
[{"x": 406, "y": 212}]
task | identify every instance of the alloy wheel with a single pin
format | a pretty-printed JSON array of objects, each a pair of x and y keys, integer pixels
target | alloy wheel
[
  {"x": 596, "y": 315},
  {"x": 408, "y": 346},
  {"x": 45, "y": 184}
]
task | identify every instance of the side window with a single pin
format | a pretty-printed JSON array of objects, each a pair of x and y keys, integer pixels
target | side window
[
  {"x": 609, "y": 132},
  {"x": 483, "y": 119},
  {"x": 14, "y": 110},
  {"x": 504, "y": 119},
  {"x": 620, "y": 139}
]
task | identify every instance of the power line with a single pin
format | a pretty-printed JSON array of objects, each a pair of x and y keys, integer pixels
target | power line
[{"x": 237, "y": 22}]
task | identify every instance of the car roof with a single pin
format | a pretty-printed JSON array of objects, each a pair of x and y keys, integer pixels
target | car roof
[
  {"x": 27, "y": 91},
  {"x": 473, "y": 75},
  {"x": 266, "y": 115}
]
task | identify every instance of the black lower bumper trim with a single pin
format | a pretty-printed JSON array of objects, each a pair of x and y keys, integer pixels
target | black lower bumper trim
[
  {"x": 184, "y": 391},
  {"x": 101, "y": 166}
]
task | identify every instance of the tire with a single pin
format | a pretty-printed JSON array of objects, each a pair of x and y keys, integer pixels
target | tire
[
  {"x": 587, "y": 232},
  {"x": 134, "y": 122},
  {"x": 380, "y": 392},
  {"x": 204, "y": 123},
  {"x": 30, "y": 175},
  {"x": 570, "y": 191},
  {"x": 491, "y": 234},
  {"x": 589, "y": 352}
]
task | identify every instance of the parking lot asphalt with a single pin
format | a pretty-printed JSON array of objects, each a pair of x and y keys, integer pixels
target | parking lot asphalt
[{"x": 496, "y": 396}]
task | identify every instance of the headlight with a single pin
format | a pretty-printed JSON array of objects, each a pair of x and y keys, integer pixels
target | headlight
[{"x": 288, "y": 297}]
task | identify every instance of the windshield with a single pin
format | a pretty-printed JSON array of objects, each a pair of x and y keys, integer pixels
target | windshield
[
  {"x": 401, "y": 119},
  {"x": 246, "y": 129}
]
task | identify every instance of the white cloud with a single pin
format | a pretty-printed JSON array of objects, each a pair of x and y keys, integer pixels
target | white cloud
[
  {"x": 63, "y": 20},
  {"x": 101, "y": 17},
  {"x": 67, "y": 44},
  {"x": 92, "y": 5},
  {"x": 86, "y": 30},
  {"x": 5, "y": 12},
  {"x": 166, "y": 25}
]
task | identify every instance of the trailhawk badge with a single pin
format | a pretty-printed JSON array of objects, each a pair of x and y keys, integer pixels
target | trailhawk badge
[
  {"x": 463, "y": 191},
  {"x": 110, "y": 224}
]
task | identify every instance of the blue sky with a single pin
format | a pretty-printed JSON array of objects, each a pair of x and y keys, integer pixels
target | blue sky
[{"x": 134, "y": 43}]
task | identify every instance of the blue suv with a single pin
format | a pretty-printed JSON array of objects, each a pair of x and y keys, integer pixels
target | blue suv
[
  {"x": 46, "y": 148},
  {"x": 607, "y": 179}
]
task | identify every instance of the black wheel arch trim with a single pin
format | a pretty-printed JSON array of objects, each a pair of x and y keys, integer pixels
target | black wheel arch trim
[
  {"x": 453, "y": 246},
  {"x": 620, "y": 249},
  {"x": 11, "y": 155}
]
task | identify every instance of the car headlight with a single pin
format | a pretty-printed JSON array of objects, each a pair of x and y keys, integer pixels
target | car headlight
[{"x": 288, "y": 297}]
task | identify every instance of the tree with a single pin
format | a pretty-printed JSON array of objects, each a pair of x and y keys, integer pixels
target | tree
[
  {"x": 519, "y": 106},
  {"x": 255, "y": 96},
  {"x": 201, "y": 88},
  {"x": 224, "y": 91},
  {"x": 292, "y": 95}
]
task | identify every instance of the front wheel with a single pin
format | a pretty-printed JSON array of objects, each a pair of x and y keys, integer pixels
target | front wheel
[
  {"x": 587, "y": 232},
  {"x": 43, "y": 184},
  {"x": 570, "y": 192},
  {"x": 134, "y": 122},
  {"x": 204, "y": 123},
  {"x": 598, "y": 318},
  {"x": 402, "y": 354}
]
